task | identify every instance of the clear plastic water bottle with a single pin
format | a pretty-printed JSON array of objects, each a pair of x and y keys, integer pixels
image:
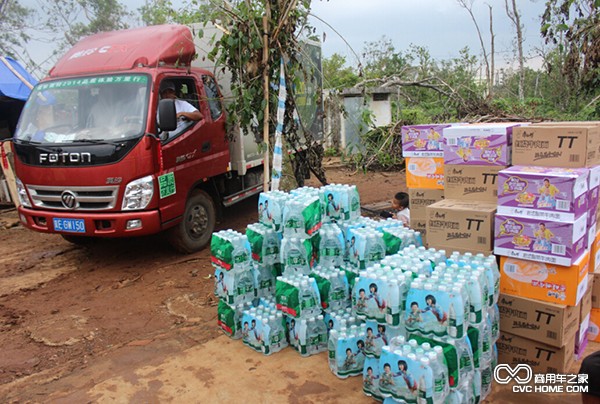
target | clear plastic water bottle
[
  {"x": 440, "y": 376},
  {"x": 331, "y": 349}
]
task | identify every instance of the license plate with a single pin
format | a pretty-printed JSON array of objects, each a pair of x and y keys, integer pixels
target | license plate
[{"x": 69, "y": 225}]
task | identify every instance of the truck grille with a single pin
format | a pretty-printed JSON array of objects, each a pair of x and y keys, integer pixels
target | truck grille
[{"x": 88, "y": 198}]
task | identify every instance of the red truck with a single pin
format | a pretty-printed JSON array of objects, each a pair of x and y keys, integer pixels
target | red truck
[{"x": 99, "y": 154}]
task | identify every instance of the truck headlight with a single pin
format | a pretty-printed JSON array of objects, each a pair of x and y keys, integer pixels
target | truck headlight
[
  {"x": 22, "y": 192},
  {"x": 138, "y": 193}
]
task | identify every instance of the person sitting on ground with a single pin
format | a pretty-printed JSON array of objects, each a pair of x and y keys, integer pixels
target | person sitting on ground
[
  {"x": 400, "y": 210},
  {"x": 185, "y": 111}
]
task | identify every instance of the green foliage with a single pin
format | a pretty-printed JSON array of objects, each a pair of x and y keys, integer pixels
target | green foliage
[
  {"x": 13, "y": 24},
  {"x": 156, "y": 12},
  {"x": 240, "y": 51},
  {"x": 101, "y": 15},
  {"x": 574, "y": 25},
  {"x": 336, "y": 75},
  {"x": 70, "y": 20},
  {"x": 332, "y": 152},
  {"x": 380, "y": 149}
]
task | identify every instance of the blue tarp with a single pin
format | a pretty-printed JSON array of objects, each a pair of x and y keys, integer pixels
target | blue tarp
[{"x": 15, "y": 81}]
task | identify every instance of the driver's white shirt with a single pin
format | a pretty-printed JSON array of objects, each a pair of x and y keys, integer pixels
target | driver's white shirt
[{"x": 183, "y": 106}]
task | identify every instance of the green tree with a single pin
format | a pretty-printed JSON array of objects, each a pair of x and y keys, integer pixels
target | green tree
[
  {"x": 336, "y": 75},
  {"x": 13, "y": 27},
  {"x": 241, "y": 50},
  {"x": 156, "y": 12},
  {"x": 71, "y": 20},
  {"x": 574, "y": 25},
  {"x": 381, "y": 59}
]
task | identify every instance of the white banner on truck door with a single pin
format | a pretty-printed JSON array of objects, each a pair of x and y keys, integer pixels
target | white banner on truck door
[{"x": 277, "y": 149}]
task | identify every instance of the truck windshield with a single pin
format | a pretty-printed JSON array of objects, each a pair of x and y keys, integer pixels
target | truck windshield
[{"x": 100, "y": 108}]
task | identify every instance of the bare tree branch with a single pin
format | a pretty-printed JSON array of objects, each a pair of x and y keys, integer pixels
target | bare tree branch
[
  {"x": 468, "y": 5},
  {"x": 513, "y": 15}
]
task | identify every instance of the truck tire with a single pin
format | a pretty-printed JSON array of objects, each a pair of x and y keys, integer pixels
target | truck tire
[{"x": 195, "y": 230}]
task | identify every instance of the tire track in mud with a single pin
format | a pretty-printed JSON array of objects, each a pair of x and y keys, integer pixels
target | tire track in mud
[{"x": 49, "y": 266}]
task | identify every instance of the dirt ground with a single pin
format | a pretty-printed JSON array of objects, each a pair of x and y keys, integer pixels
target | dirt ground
[{"x": 90, "y": 324}]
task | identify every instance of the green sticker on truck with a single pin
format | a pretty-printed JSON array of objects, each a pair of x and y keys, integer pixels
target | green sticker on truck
[{"x": 166, "y": 185}]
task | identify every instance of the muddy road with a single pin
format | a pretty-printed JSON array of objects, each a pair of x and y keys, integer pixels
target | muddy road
[{"x": 65, "y": 307}]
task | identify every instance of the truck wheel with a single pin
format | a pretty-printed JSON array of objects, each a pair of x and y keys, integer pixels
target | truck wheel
[
  {"x": 195, "y": 230},
  {"x": 78, "y": 240}
]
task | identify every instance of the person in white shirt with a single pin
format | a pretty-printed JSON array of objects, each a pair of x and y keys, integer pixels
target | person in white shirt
[
  {"x": 400, "y": 208},
  {"x": 185, "y": 111}
]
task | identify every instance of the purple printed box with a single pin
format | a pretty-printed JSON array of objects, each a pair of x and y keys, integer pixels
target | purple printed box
[
  {"x": 546, "y": 193},
  {"x": 593, "y": 194},
  {"x": 423, "y": 140},
  {"x": 557, "y": 243},
  {"x": 479, "y": 144}
]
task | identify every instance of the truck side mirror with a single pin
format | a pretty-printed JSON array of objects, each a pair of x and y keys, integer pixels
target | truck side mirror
[{"x": 167, "y": 115}]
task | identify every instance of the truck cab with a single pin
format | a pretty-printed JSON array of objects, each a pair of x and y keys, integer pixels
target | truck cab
[{"x": 92, "y": 158}]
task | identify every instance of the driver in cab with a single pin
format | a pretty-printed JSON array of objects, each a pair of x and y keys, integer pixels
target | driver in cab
[{"x": 185, "y": 111}]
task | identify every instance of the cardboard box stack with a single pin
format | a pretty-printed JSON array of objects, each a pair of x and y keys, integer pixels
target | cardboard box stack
[
  {"x": 545, "y": 233},
  {"x": 423, "y": 149},
  {"x": 473, "y": 156}
]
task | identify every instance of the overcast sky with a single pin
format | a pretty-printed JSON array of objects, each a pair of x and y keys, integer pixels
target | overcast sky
[{"x": 442, "y": 26}]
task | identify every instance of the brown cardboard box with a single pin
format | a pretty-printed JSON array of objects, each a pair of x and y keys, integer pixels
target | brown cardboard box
[
  {"x": 550, "y": 323},
  {"x": 542, "y": 358},
  {"x": 477, "y": 183},
  {"x": 558, "y": 145},
  {"x": 419, "y": 225},
  {"x": 420, "y": 198},
  {"x": 596, "y": 292},
  {"x": 461, "y": 225}
]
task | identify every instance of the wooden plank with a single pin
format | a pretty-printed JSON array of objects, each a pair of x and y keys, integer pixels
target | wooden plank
[{"x": 8, "y": 169}]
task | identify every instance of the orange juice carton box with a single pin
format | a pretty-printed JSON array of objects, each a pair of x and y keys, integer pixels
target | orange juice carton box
[
  {"x": 543, "y": 281},
  {"x": 425, "y": 172}
]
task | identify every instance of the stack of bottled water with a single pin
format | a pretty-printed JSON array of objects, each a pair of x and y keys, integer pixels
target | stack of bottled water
[
  {"x": 307, "y": 335},
  {"x": 265, "y": 245},
  {"x": 333, "y": 287},
  {"x": 365, "y": 246},
  {"x": 230, "y": 318},
  {"x": 234, "y": 277},
  {"x": 298, "y": 255},
  {"x": 408, "y": 372},
  {"x": 396, "y": 238},
  {"x": 270, "y": 209},
  {"x": 380, "y": 294},
  {"x": 346, "y": 349},
  {"x": 341, "y": 319},
  {"x": 331, "y": 246},
  {"x": 298, "y": 296},
  {"x": 341, "y": 202},
  {"x": 419, "y": 327},
  {"x": 481, "y": 276},
  {"x": 263, "y": 327},
  {"x": 302, "y": 216}
]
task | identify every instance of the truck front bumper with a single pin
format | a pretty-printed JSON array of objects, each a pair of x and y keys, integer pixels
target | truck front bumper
[{"x": 116, "y": 224}]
